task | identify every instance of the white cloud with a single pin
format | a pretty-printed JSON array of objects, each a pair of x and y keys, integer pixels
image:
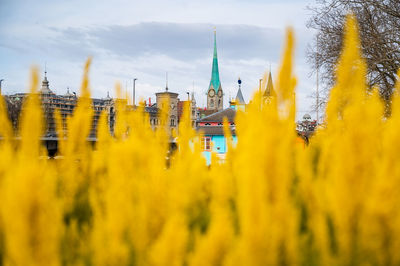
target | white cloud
[{"x": 144, "y": 39}]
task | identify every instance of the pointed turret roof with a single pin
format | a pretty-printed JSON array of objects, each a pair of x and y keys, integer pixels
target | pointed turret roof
[
  {"x": 193, "y": 99},
  {"x": 45, "y": 85},
  {"x": 269, "y": 89},
  {"x": 215, "y": 82},
  {"x": 239, "y": 96},
  {"x": 68, "y": 94}
]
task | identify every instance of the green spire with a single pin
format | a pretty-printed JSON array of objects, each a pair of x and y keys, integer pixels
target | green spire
[{"x": 215, "y": 73}]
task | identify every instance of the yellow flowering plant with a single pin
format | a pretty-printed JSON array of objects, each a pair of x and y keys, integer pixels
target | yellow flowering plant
[{"x": 127, "y": 201}]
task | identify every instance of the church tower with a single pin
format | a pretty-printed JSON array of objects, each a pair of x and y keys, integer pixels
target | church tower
[{"x": 215, "y": 95}]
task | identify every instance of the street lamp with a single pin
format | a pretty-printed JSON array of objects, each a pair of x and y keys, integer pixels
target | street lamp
[
  {"x": 260, "y": 92},
  {"x": 1, "y": 80},
  {"x": 134, "y": 83}
]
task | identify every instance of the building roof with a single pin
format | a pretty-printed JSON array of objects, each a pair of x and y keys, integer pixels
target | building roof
[
  {"x": 214, "y": 130},
  {"x": 269, "y": 89},
  {"x": 171, "y": 94},
  {"x": 151, "y": 109},
  {"x": 215, "y": 82},
  {"x": 239, "y": 97},
  {"x": 205, "y": 112},
  {"x": 229, "y": 113}
]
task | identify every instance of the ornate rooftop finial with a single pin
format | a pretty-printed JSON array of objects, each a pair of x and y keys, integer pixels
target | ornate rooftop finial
[
  {"x": 166, "y": 81},
  {"x": 239, "y": 96},
  {"x": 69, "y": 94},
  {"x": 45, "y": 83}
]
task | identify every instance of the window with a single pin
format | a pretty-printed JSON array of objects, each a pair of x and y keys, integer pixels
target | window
[
  {"x": 206, "y": 143},
  {"x": 172, "y": 122}
]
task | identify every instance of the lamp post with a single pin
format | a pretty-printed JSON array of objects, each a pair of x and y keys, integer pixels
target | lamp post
[
  {"x": 260, "y": 92},
  {"x": 1, "y": 80},
  {"x": 317, "y": 83},
  {"x": 134, "y": 83}
]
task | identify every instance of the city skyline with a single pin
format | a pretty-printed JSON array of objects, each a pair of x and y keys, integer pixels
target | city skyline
[{"x": 147, "y": 44}]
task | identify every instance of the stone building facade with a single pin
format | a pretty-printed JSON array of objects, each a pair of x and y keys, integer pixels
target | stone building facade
[
  {"x": 65, "y": 104},
  {"x": 168, "y": 101}
]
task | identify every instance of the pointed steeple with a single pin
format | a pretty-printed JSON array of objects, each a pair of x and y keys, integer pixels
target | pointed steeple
[
  {"x": 269, "y": 89},
  {"x": 215, "y": 82},
  {"x": 239, "y": 96},
  {"x": 193, "y": 99}
]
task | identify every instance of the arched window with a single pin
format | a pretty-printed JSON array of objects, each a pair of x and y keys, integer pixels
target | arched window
[{"x": 211, "y": 103}]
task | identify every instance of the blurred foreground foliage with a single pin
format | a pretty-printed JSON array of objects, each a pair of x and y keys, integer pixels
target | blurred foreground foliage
[{"x": 272, "y": 202}]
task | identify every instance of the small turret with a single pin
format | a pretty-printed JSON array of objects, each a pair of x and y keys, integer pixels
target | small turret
[
  {"x": 269, "y": 89},
  {"x": 45, "y": 85},
  {"x": 239, "y": 96},
  {"x": 69, "y": 94}
]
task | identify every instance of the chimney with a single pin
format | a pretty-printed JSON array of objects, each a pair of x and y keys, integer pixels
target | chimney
[{"x": 149, "y": 101}]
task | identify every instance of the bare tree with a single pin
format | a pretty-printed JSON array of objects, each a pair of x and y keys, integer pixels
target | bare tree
[
  {"x": 14, "y": 107},
  {"x": 379, "y": 25}
]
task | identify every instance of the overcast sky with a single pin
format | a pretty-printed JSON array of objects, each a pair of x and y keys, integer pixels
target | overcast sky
[{"x": 146, "y": 39}]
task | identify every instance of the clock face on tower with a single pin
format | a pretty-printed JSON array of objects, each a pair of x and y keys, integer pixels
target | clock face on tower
[
  {"x": 211, "y": 93},
  {"x": 220, "y": 93}
]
